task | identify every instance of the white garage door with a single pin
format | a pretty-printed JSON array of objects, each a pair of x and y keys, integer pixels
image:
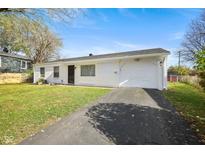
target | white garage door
[{"x": 142, "y": 73}]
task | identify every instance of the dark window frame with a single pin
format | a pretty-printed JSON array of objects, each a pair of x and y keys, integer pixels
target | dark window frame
[
  {"x": 89, "y": 73},
  {"x": 29, "y": 65},
  {"x": 42, "y": 73},
  {"x": 23, "y": 64},
  {"x": 56, "y": 74}
]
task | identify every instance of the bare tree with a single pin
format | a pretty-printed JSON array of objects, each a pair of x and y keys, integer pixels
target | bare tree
[
  {"x": 27, "y": 30},
  {"x": 42, "y": 44},
  {"x": 194, "y": 41},
  {"x": 32, "y": 37},
  {"x": 50, "y": 14}
]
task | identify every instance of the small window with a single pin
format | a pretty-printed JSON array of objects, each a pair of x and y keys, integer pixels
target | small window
[
  {"x": 56, "y": 71},
  {"x": 29, "y": 66},
  {"x": 87, "y": 70},
  {"x": 42, "y": 71},
  {"x": 23, "y": 64}
]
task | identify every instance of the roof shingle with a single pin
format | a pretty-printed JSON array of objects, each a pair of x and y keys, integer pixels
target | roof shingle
[{"x": 14, "y": 55}]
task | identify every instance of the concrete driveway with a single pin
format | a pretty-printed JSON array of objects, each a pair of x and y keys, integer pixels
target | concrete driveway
[{"x": 124, "y": 116}]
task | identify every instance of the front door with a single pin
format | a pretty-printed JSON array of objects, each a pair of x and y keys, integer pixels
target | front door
[{"x": 71, "y": 74}]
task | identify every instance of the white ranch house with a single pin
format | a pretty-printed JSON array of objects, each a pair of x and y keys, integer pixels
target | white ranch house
[{"x": 140, "y": 68}]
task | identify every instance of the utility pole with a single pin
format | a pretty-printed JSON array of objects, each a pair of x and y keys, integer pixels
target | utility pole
[
  {"x": 179, "y": 64},
  {"x": 179, "y": 60}
]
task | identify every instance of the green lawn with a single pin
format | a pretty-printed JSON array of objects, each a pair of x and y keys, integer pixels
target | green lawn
[
  {"x": 190, "y": 102},
  {"x": 26, "y": 108}
]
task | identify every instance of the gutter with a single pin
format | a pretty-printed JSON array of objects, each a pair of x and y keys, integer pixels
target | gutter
[{"x": 100, "y": 59}]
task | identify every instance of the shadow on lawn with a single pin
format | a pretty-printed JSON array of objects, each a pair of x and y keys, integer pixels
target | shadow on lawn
[{"x": 132, "y": 124}]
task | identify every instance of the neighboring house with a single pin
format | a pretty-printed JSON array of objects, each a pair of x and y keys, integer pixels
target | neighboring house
[
  {"x": 141, "y": 68},
  {"x": 173, "y": 78},
  {"x": 13, "y": 63}
]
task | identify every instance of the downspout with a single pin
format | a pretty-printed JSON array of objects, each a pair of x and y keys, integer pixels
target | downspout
[
  {"x": 161, "y": 79},
  {"x": 165, "y": 72},
  {"x": 164, "y": 76}
]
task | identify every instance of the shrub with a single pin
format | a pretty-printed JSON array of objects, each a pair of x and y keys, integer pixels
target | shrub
[
  {"x": 191, "y": 80},
  {"x": 179, "y": 70},
  {"x": 30, "y": 75},
  {"x": 41, "y": 81},
  {"x": 202, "y": 76}
]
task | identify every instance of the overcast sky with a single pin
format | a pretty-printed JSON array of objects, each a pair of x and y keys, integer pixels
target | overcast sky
[{"x": 113, "y": 30}]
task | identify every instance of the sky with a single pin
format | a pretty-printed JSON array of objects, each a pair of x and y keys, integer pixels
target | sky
[{"x": 101, "y": 31}]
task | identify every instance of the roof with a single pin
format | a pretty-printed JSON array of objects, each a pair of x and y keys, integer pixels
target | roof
[
  {"x": 117, "y": 54},
  {"x": 2, "y": 53}
]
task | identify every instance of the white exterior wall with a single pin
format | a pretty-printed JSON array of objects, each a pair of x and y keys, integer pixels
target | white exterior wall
[
  {"x": 106, "y": 74},
  {"x": 49, "y": 73},
  {"x": 145, "y": 72}
]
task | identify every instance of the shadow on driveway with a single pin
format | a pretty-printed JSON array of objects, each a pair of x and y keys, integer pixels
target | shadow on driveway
[
  {"x": 158, "y": 97},
  {"x": 124, "y": 116},
  {"x": 135, "y": 124}
]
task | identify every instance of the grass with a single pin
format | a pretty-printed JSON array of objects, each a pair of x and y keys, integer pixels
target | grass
[
  {"x": 26, "y": 108},
  {"x": 190, "y": 103}
]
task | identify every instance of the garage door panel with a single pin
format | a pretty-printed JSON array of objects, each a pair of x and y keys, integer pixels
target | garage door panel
[{"x": 139, "y": 74}]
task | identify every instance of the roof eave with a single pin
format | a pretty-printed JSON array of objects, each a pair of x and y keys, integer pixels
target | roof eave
[
  {"x": 23, "y": 58},
  {"x": 103, "y": 59}
]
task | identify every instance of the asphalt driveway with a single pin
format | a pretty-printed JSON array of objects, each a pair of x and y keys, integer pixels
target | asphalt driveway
[{"x": 124, "y": 116}]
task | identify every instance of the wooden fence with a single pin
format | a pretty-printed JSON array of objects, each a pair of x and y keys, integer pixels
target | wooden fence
[
  {"x": 6, "y": 78},
  {"x": 192, "y": 80},
  {"x": 173, "y": 78}
]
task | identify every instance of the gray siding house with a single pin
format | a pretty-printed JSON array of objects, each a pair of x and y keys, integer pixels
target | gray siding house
[{"x": 13, "y": 63}]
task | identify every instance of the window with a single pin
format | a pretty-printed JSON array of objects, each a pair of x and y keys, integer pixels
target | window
[
  {"x": 87, "y": 70},
  {"x": 42, "y": 72},
  {"x": 23, "y": 64},
  {"x": 29, "y": 65},
  {"x": 56, "y": 71}
]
